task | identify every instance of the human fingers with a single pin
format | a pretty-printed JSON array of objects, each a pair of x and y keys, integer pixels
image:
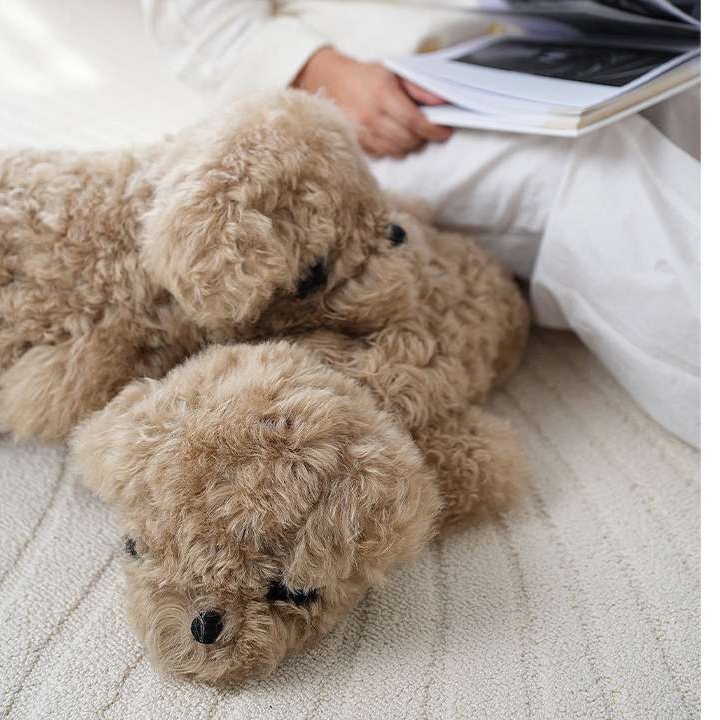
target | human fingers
[
  {"x": 375, "y": 146},
  {"x": 399, "y": 106},
  {"x": 396, "y": 134}
]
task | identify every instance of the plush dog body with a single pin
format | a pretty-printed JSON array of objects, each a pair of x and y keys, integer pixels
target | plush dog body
[
  {"x": 265, "y": 487},
  {"x": 119, "y": 265}
]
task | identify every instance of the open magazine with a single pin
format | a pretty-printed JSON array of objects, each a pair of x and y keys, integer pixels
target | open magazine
[{"x": 562, "y": 67}]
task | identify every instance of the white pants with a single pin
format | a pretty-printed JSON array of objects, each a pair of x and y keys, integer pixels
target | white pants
[{"x": 607, "y": 229}]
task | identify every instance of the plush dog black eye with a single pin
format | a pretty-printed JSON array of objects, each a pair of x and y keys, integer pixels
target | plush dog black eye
[
  {"x": 397, "y": 234},
  {"x": 131, "y": 547},
  {"x": 206, "y": 627},
  {"x": 279, "y": 592},
  {"x": 315, "y": 279}
]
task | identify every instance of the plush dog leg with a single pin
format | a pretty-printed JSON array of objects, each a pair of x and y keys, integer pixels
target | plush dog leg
[{"x": 477, "y": 461}]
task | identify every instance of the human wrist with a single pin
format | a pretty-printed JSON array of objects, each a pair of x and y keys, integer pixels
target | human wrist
[{"x": 317, "y": 71}]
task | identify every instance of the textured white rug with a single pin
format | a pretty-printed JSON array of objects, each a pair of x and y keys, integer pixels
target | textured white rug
[{"x": 583, "y": 602}]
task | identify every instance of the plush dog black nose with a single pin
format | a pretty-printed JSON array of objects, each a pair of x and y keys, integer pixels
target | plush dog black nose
[
  {"x": 397, "y": 234},
  {"x": 206, "y": 627}
]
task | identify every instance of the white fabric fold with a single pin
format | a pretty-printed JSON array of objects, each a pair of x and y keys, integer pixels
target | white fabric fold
[{"x": 619, "y": 263}]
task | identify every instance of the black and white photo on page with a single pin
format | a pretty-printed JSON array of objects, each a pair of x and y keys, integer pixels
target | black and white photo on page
[{"x": 600, "y": 63}]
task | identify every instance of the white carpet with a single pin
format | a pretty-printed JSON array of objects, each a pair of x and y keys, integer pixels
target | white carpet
[{"x": 582, "y": 603}]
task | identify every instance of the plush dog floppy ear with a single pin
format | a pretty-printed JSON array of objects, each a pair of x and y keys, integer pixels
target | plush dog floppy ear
[
  {"x": 246, "y": 201},
  {"x": 110, "y": 450}
]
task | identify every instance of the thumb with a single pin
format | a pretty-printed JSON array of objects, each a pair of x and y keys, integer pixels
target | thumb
[{"x": 420, "y": 95}]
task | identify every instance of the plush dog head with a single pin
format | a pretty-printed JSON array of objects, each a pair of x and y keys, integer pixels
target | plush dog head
[
  {"x": 266, "y": 218},
  {"x": 261, "y": 494}
]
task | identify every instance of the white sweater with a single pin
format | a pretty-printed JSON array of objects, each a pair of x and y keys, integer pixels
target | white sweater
[{"x": 228, "y": 47}]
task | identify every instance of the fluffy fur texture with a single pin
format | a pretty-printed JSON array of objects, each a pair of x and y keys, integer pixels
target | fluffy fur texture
[
  {"x": 316, "y": 464},
  {"x": 264, "y": 486},
  {"x": 119, "y": 265},
  {"x": 245, "y": 467}
]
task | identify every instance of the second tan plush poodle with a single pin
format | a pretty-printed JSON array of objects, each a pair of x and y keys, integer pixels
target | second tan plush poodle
[
  {"x": 263, "y": 488},
  {"x": 118, "y": 265}
]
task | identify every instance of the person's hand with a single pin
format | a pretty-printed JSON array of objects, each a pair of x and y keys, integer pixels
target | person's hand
[{"x": 383, "y": 105}]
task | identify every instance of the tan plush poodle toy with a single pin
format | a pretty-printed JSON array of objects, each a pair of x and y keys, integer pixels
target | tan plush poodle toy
[
  {"x": 118, "y": 265},
  {"x": 265, "y": 487}
]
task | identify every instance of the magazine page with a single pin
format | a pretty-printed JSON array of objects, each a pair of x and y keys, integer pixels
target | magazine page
[
  {"x": 568, "y": 73},
  {"x": 686, "y": 10},
  {"x": 683, "y": 10},
  {"x": 479, "y": 99},
  {"x": 557, "y": 125},
  {"x": 606, "y": 17}
]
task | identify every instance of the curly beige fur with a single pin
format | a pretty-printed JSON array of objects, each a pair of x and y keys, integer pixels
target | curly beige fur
[
  {"x": 270, "y": 483},
  {"x": 118, "y": 265},
  {"x": 245, "y": 466},
  {"x": 319, "y": 463}
]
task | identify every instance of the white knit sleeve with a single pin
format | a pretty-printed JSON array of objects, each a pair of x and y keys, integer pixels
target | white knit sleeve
[{"x": 230, "y": 47}]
